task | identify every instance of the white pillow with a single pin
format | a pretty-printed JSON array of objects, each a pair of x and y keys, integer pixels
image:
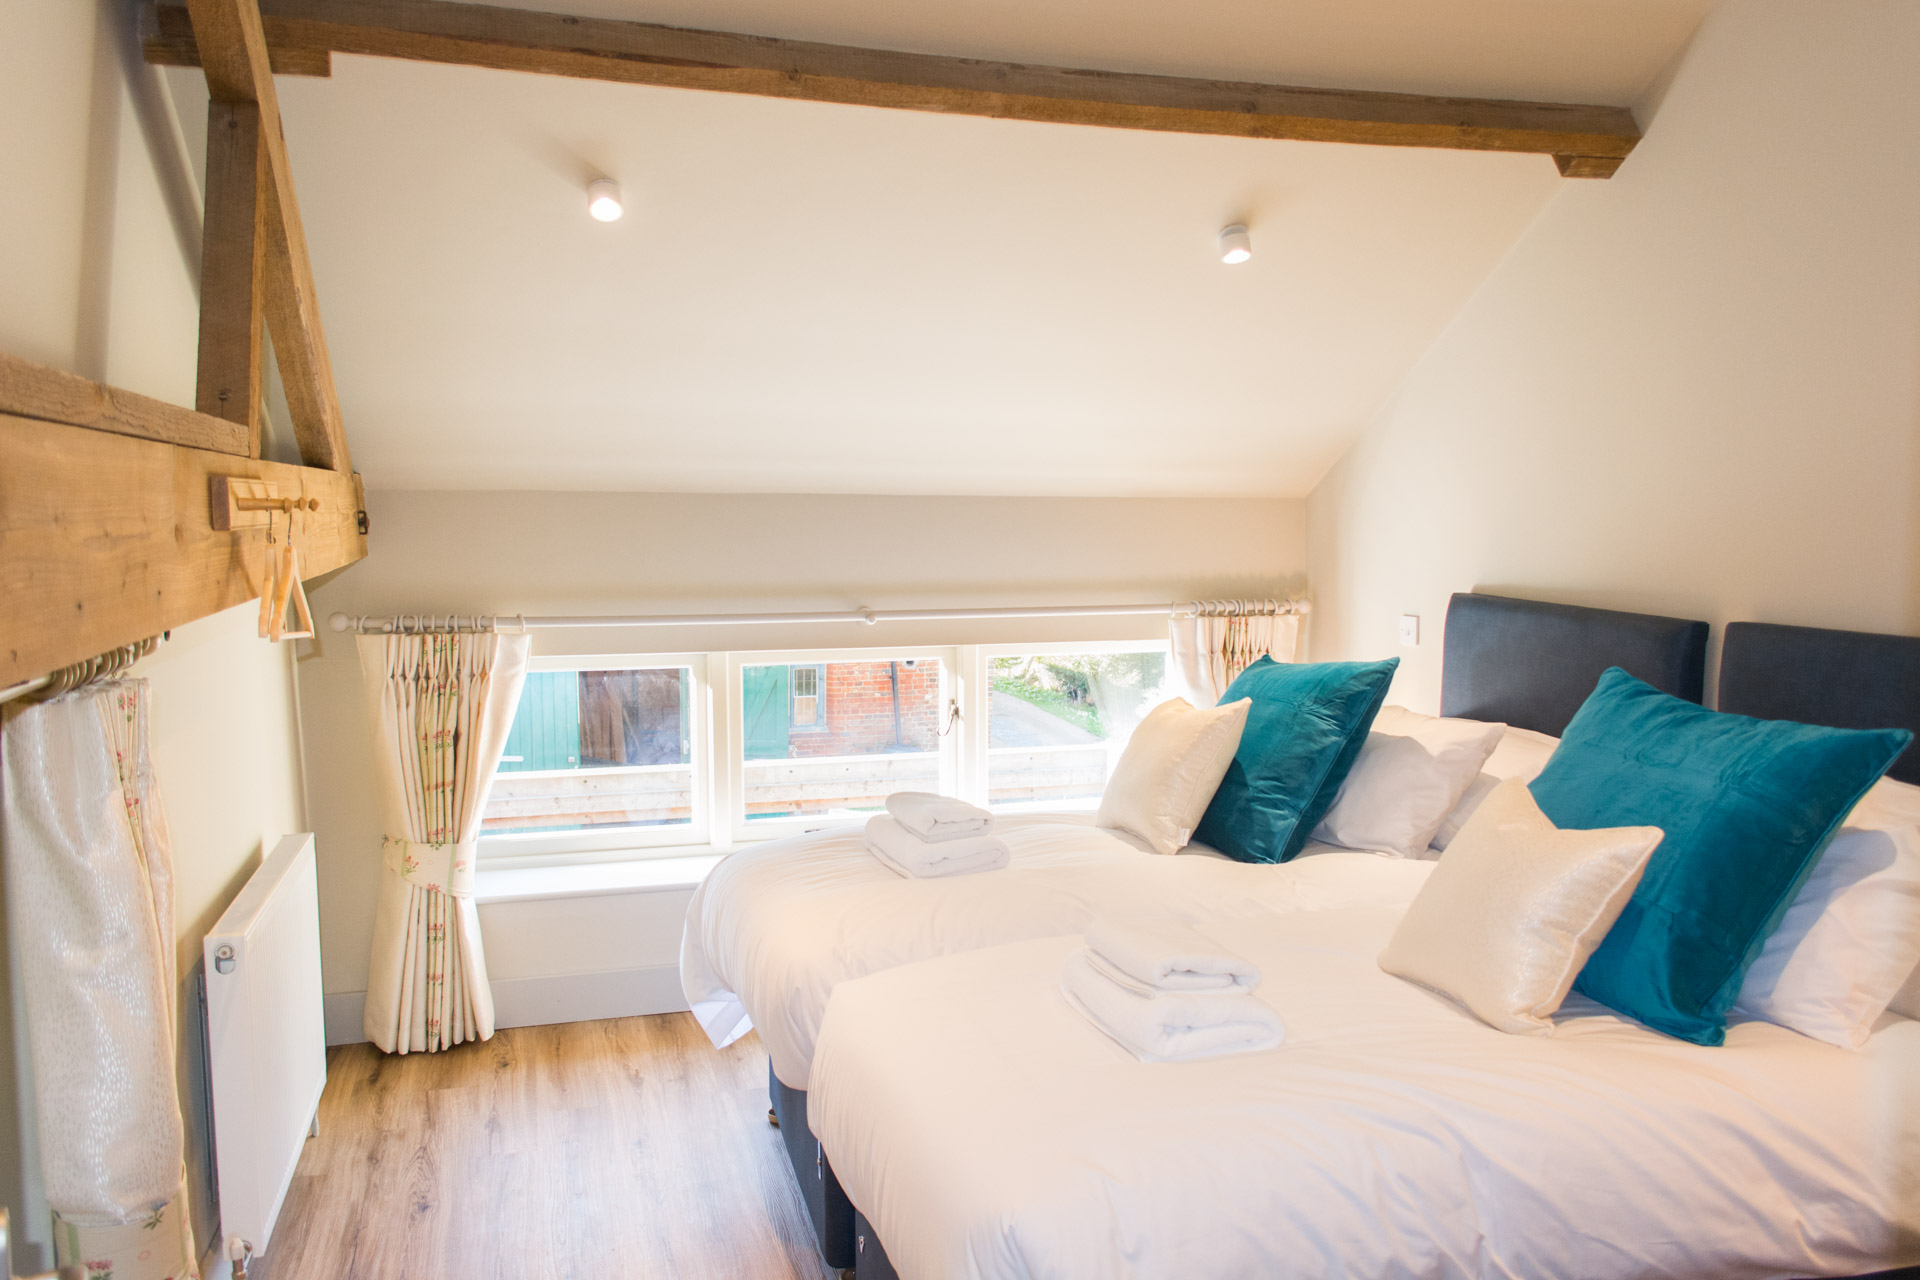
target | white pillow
[
  {"x": 1907, "y": 1003},
  {"x": 1172, "y": 766},
  {"x": 1851, "y": 937},
  {"x": 1409, "y": 774},
  {"x": 1512, "y": 912},
  {"x": 1522, "y": 754}
]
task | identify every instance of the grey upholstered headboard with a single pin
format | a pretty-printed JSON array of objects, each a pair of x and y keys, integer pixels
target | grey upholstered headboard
[
  {"x": 1532, "y": 664},
  {"x": 1843, "y": 679}
]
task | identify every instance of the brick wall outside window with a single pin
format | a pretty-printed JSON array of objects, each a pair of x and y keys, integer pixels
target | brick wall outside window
[{"x": 859, "y": 705}]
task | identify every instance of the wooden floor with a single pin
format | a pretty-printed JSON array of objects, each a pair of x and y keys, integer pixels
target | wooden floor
[{"x": 627, "y": 1148}]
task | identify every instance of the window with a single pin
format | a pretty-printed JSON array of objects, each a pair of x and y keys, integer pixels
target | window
[
  {"x": 1057, "y": 719},
  {"x": 806, "y": 681},
  {"x": 834, "y": 739},
  {"x": 604, "y": 751},
  {"x": 612, "y": 755}
]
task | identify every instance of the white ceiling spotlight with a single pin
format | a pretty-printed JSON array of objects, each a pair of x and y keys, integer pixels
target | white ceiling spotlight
[
  {"x": 603, "y": 200},
  {"x": 1236, "y": 246}
]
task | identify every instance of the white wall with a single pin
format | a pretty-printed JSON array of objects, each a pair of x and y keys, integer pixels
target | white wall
[
  {"x": 665, "y": 553},
  {"x": 98, "y": 263},
  {"x": 1694, "y": 389}
]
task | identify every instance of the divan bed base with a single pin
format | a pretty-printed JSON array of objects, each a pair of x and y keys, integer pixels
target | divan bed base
[
  {"x": 827, "y": 1205},
  {"x": 870, "y": 1260}
]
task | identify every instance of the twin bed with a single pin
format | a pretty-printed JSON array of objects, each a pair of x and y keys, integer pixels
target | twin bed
[{"x": 987, "y": 1130}]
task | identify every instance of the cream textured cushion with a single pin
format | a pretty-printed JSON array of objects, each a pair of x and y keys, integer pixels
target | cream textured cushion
[
  {"x": 1171, "y": 768},
  {"x": 1511, "y": 913},
  {"x": 1408, "y": 776}
]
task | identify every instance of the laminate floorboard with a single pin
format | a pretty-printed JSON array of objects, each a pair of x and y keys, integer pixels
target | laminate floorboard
[{"x": 582, "y": 1151}]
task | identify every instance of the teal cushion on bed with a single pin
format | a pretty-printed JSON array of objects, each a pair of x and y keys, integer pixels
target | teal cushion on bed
[
  {"x": 1748, "y": 807},
  {"x": 1307, "y": 723}
]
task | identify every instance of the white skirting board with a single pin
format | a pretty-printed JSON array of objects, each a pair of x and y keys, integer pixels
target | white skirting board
[{"x": 535, "y": 1002}]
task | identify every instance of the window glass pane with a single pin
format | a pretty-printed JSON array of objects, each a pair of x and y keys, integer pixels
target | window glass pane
[
  {"x": 593, "y": 750},
  {"x": 831, "y": 738},
  {"x": 1058, "y": 719}
]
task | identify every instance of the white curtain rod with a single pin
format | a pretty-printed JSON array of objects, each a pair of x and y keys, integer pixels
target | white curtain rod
[{"x": 870, "y": 617}]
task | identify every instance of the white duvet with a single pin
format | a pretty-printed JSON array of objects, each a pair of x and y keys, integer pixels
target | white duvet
[
  {"x": 987, "y": 1130},
  {"x": 774, "y": 929}
]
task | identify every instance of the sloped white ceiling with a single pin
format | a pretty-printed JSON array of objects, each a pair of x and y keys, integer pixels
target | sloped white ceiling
[{"x": 809, "y": 297}]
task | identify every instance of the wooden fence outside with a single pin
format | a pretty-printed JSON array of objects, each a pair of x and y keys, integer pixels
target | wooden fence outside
[{"x": 652, "y": 795}]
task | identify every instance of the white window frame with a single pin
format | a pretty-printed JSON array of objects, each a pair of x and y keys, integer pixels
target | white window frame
[
  {"x": 730, "y": 774},
  {"x": 717, "y": 731},
  {"x": 983, "y": 656},
  {"x": 504, "y": 849}
]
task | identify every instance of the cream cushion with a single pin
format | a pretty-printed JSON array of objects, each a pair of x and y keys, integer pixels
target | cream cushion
[
  {"x": 1409, "y": 775},
  {"x": 1514, "y": 908},
  {"x": 1171, "y": 768}
]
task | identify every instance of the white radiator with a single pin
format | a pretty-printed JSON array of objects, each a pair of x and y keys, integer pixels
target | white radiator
[{"x": 266, "y": 1039}]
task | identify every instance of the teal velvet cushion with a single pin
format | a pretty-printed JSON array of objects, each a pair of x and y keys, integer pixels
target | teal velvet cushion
[
  {"x": 1748, "y": 807},
  {"x": 1307, "y": 723}
]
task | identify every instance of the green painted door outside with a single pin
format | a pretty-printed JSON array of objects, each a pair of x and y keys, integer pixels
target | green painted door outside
[
  {"x": 546, "y": 724},
  {"x": 763, "y": 711}
]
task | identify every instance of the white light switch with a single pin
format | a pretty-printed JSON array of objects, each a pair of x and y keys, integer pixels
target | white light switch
[{"x": 1410, "y": 628}]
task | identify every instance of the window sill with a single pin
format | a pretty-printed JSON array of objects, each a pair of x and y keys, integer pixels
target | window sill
[{"x": 591, "y": 879}]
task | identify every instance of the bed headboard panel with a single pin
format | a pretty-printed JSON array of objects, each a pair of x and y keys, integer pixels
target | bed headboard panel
[
  {"x": 1532, "y": 664},
  {"x": 1842, "y": 679}
]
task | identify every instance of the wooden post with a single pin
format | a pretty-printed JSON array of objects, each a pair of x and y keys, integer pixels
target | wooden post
[{"x": 233, "y": 269}]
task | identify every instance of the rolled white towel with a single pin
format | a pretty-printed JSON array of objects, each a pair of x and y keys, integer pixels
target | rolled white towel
[
  {"x": 936, "y": 817},
  {"x": 1168, "y": 956},
  {"x": 1169, "y": 1027},
  {"x": 909, "y": 855}
]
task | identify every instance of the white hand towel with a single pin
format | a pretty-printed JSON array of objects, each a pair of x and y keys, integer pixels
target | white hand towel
[
  {"x": 1168, "y": 956},
  {"x": 1169, "y": 1027},
  {"x": 936, "y": 817},
  {"x": 909, "y": 855}
]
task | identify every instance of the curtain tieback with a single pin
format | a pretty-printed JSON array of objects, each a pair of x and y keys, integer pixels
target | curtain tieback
[{"x": 445, "y": 866}]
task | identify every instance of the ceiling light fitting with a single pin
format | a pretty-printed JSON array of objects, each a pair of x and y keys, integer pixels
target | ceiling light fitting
[
  {"x": 603, "y": 200},
  {"x": 1236, "y": 246}
]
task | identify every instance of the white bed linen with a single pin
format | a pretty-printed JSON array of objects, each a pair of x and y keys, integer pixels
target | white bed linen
[
  {"x": 773, "y": 929},
  {"x": 988, "y": 1131}
]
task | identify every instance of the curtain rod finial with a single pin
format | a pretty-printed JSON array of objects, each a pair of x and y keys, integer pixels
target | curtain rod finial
[{"x": 339, "y": 622}]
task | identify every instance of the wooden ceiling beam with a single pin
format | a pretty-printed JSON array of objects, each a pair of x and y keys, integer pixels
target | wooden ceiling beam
[
  {"x": 1586, "y": 141},
  {"x": 232, "y": 49},
  {"x": 166, "y": 33},
  {"x": 106, "y": 539}
]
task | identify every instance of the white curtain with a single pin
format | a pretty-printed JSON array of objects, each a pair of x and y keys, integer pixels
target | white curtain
[
  {"x": 1211, "y": 649},
  {"x": 440, "y": 706},
  {"x": 90, "y": 904}
]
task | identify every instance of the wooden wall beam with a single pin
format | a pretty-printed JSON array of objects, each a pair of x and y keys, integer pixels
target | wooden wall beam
[
  {"x": 105, "y": 540},
  {"x": 29, "y": 390},
  {"x": 233, "y": 53},
  {"x": 484, "y": 35},
  {"x": 233, "y": 269}
]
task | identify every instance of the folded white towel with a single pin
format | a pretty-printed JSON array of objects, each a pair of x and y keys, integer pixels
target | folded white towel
[
  {"x": 909, "y": 855},
  {"x": 1169, "y": 1027},
  {"x": 936, "y": 817},
  {"x": 1168, "y": 956}
]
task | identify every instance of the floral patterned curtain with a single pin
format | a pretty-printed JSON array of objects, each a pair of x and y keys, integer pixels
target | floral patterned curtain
[
  {"x": 90, "y": 899},
  {"x": 440, "y": 705},
  {"x": 1224, "y": 639}
]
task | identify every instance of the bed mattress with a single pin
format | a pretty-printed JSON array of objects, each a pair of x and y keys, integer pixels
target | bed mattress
[
  {"x": 987, "y": 1130},
  {"x": 774, "y": 929}
]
